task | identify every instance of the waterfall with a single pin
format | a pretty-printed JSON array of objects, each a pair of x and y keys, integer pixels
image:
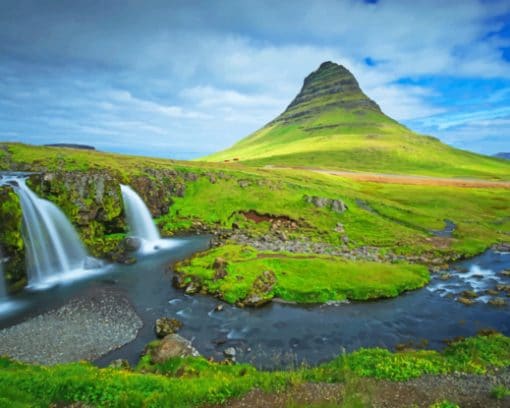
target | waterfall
[
  {"x": 53, "y": 248},
  {"x": 138, "y": 216}
]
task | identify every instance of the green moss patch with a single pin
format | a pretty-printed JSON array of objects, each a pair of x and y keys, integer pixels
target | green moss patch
[{"x": 240, "y": 274}]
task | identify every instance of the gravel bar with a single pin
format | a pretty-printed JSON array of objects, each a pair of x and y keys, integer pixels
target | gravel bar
[{"x": 84, "y": 329}]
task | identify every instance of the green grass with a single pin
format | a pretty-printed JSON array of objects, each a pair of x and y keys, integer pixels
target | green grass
[
  {"x": 392, "y": 150},
  {"x": 193, "y": 382},
  {"x": 404, "y": 213},
  {"x": 299, "y": 278},
  {"x": 400, "y": 222},
  {"x": 359, "y": 138}
]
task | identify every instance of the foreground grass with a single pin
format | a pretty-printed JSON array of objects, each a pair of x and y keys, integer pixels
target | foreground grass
[
  {"x": 237, "y": 273},
  {"x": 194, "y": 381}
]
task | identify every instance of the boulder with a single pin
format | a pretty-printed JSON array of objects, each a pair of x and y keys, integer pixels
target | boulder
[
  {"x": 255, "y": 300},
  {"x": 171, "y": 346},
  {"x": 502, "y": 247},
  {"x": 506, "y": 272},
  {"x": 132, "y": 244},
  {"x": 469, "y": 294},
  {"x": 320, "y": 202},
  {"x": 220, "y": 265},
  {"x": 497, "y": 301},
  {"x": 165, "y": 326},
  {"x": 465, "y": 301},
  {"x": 192, "y": 288},
  {"x": 259, "y": 294},
  {"x": 230, "y": 353},
  {"x": 335, "y": 205},
  {"x": 338, "y": 206}
]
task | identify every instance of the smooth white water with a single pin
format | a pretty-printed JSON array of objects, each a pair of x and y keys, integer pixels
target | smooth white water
[
  {"x": 53, "y": 249},
  {"x": 138, "y": 216}
]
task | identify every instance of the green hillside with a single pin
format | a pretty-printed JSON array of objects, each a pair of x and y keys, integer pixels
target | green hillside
[{"x": 332, "y": 124}]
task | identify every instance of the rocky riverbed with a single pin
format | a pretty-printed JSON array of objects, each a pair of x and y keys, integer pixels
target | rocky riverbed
[
  {"x": 278, "y": 241},
  {"x": 87, "y": 327}
]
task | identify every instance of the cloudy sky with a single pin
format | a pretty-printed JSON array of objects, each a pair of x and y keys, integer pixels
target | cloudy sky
[{"x": 185, "y": 78}]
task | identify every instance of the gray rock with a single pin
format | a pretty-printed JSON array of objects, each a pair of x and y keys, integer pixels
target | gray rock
[
  {"x": 230, "y": 352},
  {"x": 320, "y": 202},
  {"x": 192, "y": 288},
  {"x": 132, "y": 244},
  {"x": 171, "y": 346},
  {"x": 338, "y": 206},
  {"x": 165, "y": 326}
]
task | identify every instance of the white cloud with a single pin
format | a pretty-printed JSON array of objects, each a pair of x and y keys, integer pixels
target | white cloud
[{"x": 201, "y": 74}]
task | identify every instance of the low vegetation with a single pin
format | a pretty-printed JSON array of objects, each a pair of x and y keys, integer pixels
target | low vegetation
[
  {"x": 240, "y": 274},
  {"x": 183, "y": 196},
  {"x": 191, "y": 382}
]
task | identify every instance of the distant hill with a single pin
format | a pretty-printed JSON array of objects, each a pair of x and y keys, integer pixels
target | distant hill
[
  {"x": 331, "y": 123},
  {"x": 503, "y": 155},
  {"x": 71, "y": 146}
]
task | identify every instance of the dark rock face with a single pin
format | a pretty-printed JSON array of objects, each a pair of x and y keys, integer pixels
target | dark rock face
[
  {"x": 157, "y": 189},
  {"x": 92, "y": 201},
  {"x": 330, "y": 86},
  {"x": 11, "y": 241}
]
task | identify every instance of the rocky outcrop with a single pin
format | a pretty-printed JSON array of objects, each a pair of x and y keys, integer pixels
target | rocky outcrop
[
  {"x": 165, "y": 326},
  {"x": 171, "y": 346},
  {"x": 220, "y": 268},
  {"x": 92, "y": 201},
  {"x": 335, "y": 205},
  {"x": 11, "y": 241},
  {"x": 260, "y": 292},
  {"x": 331, "y": 86}
]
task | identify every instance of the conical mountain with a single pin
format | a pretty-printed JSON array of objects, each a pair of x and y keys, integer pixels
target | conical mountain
[
  {"x": 332, "y": 124},
  {"x": 330, "y": 87}
]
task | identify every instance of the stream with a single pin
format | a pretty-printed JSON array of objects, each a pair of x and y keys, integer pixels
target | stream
[{"x": 283, "y": 335}]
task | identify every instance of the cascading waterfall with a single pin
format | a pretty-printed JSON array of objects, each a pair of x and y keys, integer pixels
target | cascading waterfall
[
  {"x": 138, "y": 216},
  {"x": 53, "y": 249}
]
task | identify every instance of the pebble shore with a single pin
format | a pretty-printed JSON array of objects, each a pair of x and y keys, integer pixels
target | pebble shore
[{"x": 86, "y": 328}]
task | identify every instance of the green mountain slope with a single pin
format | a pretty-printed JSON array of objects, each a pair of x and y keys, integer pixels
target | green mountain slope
[{"x": 332, "y": 124}]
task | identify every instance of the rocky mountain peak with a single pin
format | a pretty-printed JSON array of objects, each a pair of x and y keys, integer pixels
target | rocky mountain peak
[{"x": 331, "y": 86}]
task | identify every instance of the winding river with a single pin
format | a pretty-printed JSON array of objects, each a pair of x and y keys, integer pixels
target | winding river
[{"x": 282, "y": 335}]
